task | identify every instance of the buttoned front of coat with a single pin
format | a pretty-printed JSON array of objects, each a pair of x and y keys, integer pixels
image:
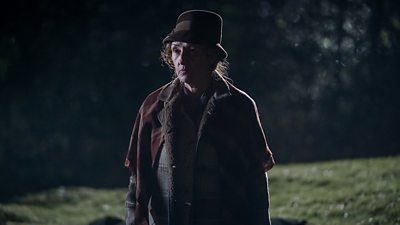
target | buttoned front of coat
[{"x": 230, "y": 125}]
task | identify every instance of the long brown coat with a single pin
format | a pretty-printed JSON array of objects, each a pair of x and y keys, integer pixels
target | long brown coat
[{"x": 231, "y": 123}]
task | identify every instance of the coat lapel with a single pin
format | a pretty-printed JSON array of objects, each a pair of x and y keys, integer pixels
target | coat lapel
[
  {"x": 168, "y": 116},
  {"x": 170, "y": 98},
  {"x": 221, "y": 91}
]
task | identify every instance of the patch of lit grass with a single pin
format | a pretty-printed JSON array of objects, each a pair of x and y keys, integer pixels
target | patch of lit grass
[
  {"x": 354, "y": 192},
  {"x": 64, "y": 206},
  {"x": 346, "y": 192}
]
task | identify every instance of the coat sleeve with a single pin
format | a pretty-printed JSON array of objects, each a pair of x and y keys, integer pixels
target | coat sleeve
[
  {"x": 130, "y": 163},
  {"x": 261, "y": 160},
  {"x": 130, "y": 160},
  {"x": 138, "y": 161},
  {"x": 259, "y": 141}
]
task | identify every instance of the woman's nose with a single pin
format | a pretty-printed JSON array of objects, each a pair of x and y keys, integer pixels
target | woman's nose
[{"x": 185, "y": 57}]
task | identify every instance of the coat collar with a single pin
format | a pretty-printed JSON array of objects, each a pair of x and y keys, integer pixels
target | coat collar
[
  {"x": 169, "y": 90},
  {"x": 222, "y": 89}
]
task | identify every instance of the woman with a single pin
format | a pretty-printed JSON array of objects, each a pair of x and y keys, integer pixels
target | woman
[{"x": 198, "y": 153}]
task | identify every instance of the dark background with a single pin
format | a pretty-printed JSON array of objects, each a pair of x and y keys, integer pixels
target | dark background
[{"x": 325, "y": 75}]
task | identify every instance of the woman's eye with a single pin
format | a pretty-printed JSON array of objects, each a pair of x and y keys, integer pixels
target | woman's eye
[{"x": 176, "y": 50}]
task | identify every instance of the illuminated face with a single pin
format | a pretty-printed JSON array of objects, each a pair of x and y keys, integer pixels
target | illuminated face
[{"x": 192, "y": 62}]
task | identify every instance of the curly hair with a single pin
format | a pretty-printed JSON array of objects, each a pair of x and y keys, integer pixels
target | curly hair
[{"x": 221, "y": 69}]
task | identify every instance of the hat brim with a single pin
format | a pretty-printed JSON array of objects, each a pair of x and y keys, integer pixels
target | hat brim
[{"x": 222, "y": 51}]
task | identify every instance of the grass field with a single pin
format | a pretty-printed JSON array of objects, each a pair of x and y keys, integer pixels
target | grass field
[
  {"x": 347, "y": 192},
  {"x": 353, "y": 192}
]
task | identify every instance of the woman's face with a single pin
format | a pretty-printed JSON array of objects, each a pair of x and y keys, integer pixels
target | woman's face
[{"x": 192, "y": 62}]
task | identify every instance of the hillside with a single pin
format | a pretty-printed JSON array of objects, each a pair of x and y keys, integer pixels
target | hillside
[{"x": 353, "y": 192}]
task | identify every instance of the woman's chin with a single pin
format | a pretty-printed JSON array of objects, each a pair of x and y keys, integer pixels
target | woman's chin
[{"x": 183, "y": 78}]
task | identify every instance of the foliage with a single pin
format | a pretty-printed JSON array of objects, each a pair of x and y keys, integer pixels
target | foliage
[{"x": 356, "y": 192}]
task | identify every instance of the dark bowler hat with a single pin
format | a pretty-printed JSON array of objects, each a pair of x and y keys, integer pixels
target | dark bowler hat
[{"x": 198, "y": 27}]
